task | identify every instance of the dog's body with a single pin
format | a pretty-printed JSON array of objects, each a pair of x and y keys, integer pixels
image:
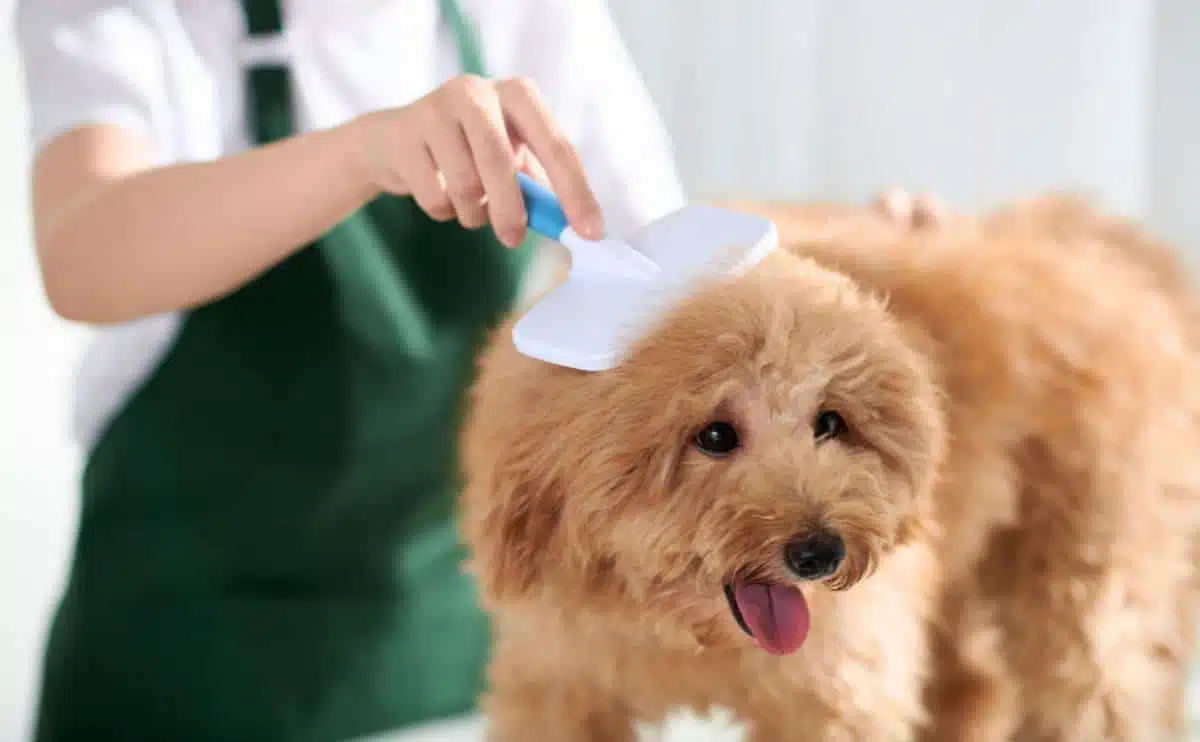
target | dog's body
[{"x": 1014, "y": 480}]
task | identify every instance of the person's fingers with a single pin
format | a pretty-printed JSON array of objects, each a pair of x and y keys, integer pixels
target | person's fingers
[
  {"x": 528, "y": 164},
  {"x": 452, "y": 156},
  {"x": 897, "y": 205},
  {"x": 532, "y": 121},
  {"x": 426, "y": 185},
  {"x": 482, "y": 120},
  {"x": 913, "y": 212},
  {"x": 451, "y": 152},
  {"x": 928, "y": 211}
]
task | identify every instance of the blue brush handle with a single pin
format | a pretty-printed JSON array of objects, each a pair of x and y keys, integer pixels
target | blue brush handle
[{"x": 546, "y": 215}]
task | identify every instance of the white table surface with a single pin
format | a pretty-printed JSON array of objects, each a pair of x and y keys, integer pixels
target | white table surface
[
  {"x": 684, "y": 728},
  {"x": 468, "y": 729},
  {"x": 689, "y": 728}
]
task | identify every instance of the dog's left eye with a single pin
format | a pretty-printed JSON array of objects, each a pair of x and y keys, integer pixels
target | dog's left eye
[
  {"x": 828, "y": 424},
  {"x": 718, "y": 439}
]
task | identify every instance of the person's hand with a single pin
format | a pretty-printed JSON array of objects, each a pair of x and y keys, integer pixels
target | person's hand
[
  {"x": 920, "y": 211},
  {"x": 457, "y": 152}
]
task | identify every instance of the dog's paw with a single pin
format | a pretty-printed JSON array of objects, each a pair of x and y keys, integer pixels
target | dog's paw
[{"x": 911, "y": 211}]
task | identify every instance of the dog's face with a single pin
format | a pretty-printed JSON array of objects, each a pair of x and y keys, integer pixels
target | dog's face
[{"x": 775, "y": 434}]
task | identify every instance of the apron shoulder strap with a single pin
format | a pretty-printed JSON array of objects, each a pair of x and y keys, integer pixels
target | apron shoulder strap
[
  {"x": 265, "y": 17},
  {"x": 470, "y": 51},
  {"x": 270, "y": 105}
]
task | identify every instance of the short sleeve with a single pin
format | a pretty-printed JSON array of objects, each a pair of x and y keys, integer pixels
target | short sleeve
[
  {"x": 622, "y": 138},
  {"x": 90, "y": 62},
  {"x": 575, "y": 52}
]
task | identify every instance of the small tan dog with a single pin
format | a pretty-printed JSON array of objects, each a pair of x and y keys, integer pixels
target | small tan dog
[{"x": 916, "y": 477}]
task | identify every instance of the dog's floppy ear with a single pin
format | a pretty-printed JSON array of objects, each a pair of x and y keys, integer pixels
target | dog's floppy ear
[
  {"x": 510, "y": 526},
  {"x": 511, "y": 507},
  {"x": 918, "y": 468},
  {"x": 917, "y": 524}
]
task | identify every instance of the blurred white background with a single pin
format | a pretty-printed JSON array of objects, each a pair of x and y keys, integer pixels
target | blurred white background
[
  {"x": 974, "y": 100},
  {"x": 37, "y": 465}
]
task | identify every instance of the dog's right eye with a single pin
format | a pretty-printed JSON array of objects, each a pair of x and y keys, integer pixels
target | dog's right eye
[{"x": 718, "y": 439}]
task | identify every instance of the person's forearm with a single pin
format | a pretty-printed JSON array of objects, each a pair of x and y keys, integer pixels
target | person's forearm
[{"x": 175, "y": 237}]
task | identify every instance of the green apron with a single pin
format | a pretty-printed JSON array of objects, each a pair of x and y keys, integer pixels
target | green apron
[{"x": 267, "y": 547}]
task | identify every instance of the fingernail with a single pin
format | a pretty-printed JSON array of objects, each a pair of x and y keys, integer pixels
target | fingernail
[
  {"x": 593, "y": 227},
  {"x": 512, "y": 237}
]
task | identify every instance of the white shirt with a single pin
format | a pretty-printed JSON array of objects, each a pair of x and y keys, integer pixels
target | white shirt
[{"x": 173, "y": 70}]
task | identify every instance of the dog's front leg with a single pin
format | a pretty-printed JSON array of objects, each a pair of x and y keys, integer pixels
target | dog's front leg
[
  {"x": 826, "y": 728},
  {"x": 532, "y": 699},
  {"x": 551, "y": 711}
]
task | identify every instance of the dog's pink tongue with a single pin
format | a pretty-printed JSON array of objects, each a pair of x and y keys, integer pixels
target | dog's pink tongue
[{"x": 777, "y": 615}]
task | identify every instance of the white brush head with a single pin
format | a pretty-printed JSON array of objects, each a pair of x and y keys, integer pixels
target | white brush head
[{"x": 592, "y": 319}]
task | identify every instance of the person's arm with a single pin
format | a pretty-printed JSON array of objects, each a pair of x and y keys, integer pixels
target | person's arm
[
  {"x": 121, "y": 236},
  {"x": 118, "y": 239}
]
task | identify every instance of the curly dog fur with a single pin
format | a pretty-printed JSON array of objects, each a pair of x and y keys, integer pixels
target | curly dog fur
[{"x": 1017, "y": 488}]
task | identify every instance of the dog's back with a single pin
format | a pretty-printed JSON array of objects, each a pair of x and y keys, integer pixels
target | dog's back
[
  {"x": 1069, "y": 504},
  {"x": 1065, "y": 349}
]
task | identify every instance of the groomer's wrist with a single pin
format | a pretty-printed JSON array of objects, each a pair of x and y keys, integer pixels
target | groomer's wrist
[{"x": 345, "y": 143}]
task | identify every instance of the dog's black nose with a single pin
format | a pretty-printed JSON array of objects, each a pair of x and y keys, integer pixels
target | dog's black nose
[{"x": 814, "y": 557}]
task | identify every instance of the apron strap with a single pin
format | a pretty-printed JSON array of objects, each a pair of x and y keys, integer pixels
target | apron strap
[
  {"x": 263, "y": 18},
  {"x": 270, "y": 108},
  {"x": 470, "y": 51}
]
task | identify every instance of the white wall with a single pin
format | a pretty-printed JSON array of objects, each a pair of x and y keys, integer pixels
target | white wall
[
  {"x": 976, "y": 100},
  {"x": 37, "y": 466}
]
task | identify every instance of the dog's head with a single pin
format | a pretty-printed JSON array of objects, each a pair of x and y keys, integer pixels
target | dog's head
[{"x": 775, "y": 434}]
